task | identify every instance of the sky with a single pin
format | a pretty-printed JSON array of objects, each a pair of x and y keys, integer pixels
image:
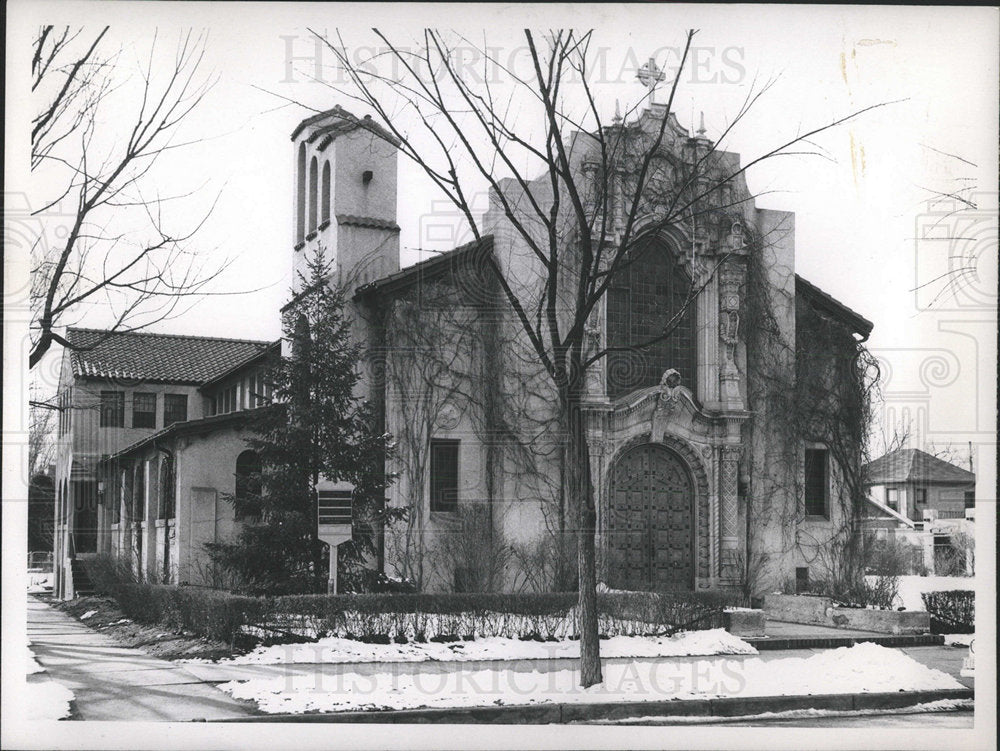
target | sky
[{"x": 865, "y": 227}]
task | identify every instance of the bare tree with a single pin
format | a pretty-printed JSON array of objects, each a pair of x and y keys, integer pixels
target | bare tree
[
  {"x": 607, "y": 189},
  {"x": 104, "y": 238},
  {"x": 41, "y": 449}
]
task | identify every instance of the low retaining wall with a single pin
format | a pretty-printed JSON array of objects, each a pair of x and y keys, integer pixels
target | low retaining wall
[
  {"x": 823, "y": 612},
  {"x": 746, "y": 622}
]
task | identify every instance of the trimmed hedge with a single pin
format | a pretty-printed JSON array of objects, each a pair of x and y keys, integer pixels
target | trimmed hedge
[
  {"x": 403, "y": 617},
  {"x": 952, "y": 612}
]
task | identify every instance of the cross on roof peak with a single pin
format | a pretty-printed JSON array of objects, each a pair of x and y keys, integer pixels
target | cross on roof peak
[{"x": 650, "y": 74}]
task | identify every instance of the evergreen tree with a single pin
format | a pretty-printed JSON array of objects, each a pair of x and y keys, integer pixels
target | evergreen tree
[{"x": 315, "y": 426}]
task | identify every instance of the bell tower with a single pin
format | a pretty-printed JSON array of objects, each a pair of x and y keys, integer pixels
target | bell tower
[{"x": 345, "y": 197}]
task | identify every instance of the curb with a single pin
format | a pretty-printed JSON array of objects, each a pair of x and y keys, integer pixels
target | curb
[
  {"x": 831, "y": 642},
  {"x": 543, "y": 714}
]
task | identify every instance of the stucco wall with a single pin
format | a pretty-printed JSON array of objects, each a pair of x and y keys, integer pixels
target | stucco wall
[{"x": 205, "y": 471}]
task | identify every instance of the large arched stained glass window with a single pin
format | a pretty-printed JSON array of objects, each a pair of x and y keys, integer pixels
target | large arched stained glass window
[{"x": 645, "y": 297}]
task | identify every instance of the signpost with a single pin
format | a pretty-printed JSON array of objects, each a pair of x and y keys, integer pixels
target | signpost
[{"x": 334, "y": 507}]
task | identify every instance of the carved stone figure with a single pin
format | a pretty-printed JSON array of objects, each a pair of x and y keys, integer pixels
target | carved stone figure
[{"x": 667, "y": 401}]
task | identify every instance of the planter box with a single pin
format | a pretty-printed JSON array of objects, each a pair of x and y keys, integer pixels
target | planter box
[
  {"x": 821, "y": 611},
  {"x": 883, "y": 621},
  {"x": 798, "y": 608},
  {"x": 745, "y": 622}
]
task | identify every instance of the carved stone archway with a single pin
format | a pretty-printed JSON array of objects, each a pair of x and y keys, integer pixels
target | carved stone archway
[
  {"x": 651, "y": 521},
  {"x": 701, "y": 521}
]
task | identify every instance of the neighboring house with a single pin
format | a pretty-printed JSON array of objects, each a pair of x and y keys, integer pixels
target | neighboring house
[
  {"x": 121, "y": 389},
  {"x": 926, "y": 502}
]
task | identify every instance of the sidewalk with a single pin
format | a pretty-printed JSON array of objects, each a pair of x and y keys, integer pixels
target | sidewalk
[{"x": 118, "y": 683}]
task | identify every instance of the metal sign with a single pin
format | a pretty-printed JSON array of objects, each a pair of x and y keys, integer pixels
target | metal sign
[
  {"x": 334, "y": 520},
  {"x": 334, "y": 511}
]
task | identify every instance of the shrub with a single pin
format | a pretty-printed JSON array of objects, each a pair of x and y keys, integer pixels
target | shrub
[
  {"x": 893, "y": 557},
  {"x": 404, "y": 617},
  {"x": 952, "y": 612},
  {"x": 879, "y": 593}
]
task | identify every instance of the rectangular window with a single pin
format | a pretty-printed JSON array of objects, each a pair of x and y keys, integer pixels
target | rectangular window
[
  {"x": 175, "y": 408},
  {"x": 892, "y": 498},
  {"x": 112, "y": 409},
  {"x": 143, "y": 410},
  {"x": 920, "y": 496},
  {"x": 970, "y": 498},
  {"x": 227, "y": 401},
  {"x": 816, "y": 482},
  {"x": 444, "y": 475},
  {"x": 801, "y": 579}
]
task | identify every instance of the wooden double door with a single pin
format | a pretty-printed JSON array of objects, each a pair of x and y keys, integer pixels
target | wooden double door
[{"x": 651, "y": 521}]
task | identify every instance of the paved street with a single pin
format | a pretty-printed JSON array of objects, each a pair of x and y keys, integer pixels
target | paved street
[{"x": 118, "y": 683}]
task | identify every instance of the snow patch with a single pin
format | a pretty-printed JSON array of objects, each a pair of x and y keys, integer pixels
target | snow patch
[
  {"x": 862, "y": 668},
  {"x": 958, "y": 640},
  {"x": 88, "y": 614},
  {"x": 31, "y": 664},
  {"x": 910, "y": 588},
  {"x": 335, "y": 650},
  {"x": 44, "y": 698}
]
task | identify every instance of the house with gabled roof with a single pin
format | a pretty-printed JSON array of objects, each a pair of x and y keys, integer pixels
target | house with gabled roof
[
  {"x": 128, "y": 389},
  {"x": 920, "y": 486},
  {"x": 926, "y": 502}
]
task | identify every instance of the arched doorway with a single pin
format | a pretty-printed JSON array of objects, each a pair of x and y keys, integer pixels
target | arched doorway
[{"x": 651, "y": 521}]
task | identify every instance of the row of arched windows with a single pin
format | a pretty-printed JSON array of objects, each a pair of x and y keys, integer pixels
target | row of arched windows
[
  {"x": 316, "y": 200},
  {"x": 132, "y": 505}
]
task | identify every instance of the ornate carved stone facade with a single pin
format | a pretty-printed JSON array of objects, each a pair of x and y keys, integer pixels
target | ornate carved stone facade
[{"x": 706, "y": 441}]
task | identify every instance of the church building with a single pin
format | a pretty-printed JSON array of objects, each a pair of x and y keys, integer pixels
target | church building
[{"x": 702, "y": 476}]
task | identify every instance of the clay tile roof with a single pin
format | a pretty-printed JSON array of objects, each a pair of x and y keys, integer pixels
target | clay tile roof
[
  {"x": 336, "y": 121},
  {"x": 914, "y": 465},
  {"x": 156, "y": 357},
  {"x": 366, "y": 221}
]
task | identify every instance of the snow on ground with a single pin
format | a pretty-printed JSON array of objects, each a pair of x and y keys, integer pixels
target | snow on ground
[
  {"x": 862, "y": 668},
  {"x": 43, "y": 698},
  {"x": 337, "y": 650},
  {"x": 910, "y": 588},
  {"x": 39, "y": 582},
  {"x": 958, "y": 640},
  {"x": 46, "y": 700}
]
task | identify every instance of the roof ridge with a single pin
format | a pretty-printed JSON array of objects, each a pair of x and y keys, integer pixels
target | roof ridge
[
  {"x": 486, "y": 242},
  {"x": 263, "y": 342}
]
